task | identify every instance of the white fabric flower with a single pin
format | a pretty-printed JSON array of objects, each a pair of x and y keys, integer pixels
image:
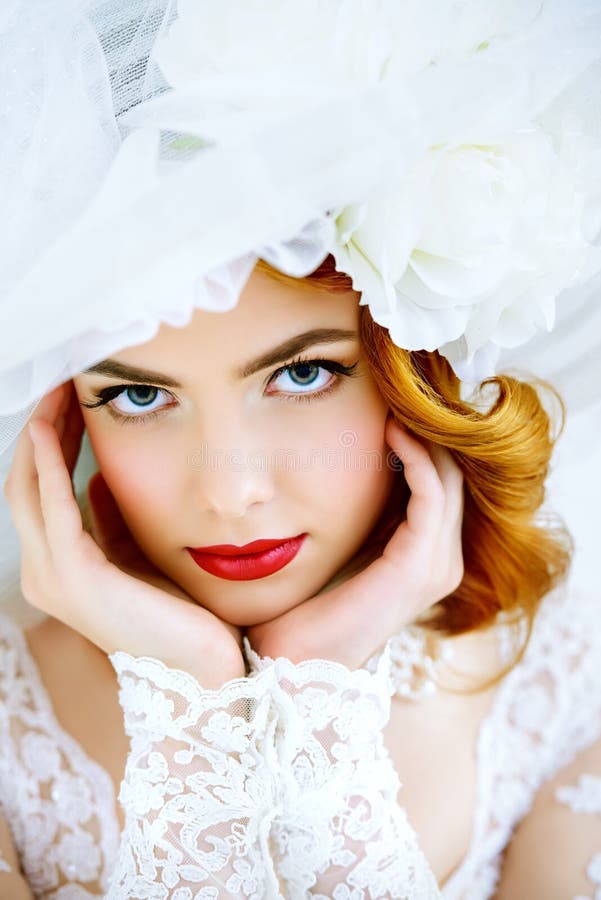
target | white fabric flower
[
  {"x": 464, "y": 248},
  {"x": 474, "y": 244}
]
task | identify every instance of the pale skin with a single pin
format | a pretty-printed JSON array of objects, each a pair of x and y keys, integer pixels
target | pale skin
[{"x": 130, "y": 585}]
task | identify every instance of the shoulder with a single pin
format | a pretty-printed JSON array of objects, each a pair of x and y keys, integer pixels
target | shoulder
[
  {"x": 548, "y": 708},
  {"x": 545, "y": 715},
  {"x": 556, "y": 850},
  {"x": 560, "y": 673}
]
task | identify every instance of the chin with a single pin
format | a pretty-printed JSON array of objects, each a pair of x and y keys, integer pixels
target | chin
[{"x": 251, "y": 614}]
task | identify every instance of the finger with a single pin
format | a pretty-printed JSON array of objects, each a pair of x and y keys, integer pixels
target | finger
[
  {"x": 451, "y": 478},
  {"x": 426, "y": 505},
  {"x": 62, "y": 518},
  {"x": 53, "y": 405},
  {"x": 109, "y": 524},
  {"x": 22, "y": 488},
  {"x": 61, "y": 408},
  {"x": 450, "y": 544},
  {"x": 72, "y": 430},
  {"x": 22, "y": 495},
  {"x": 23, "y": 466}
]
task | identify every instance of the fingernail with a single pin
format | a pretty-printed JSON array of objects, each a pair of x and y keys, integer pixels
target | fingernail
[{"x": 32, "y": 434}]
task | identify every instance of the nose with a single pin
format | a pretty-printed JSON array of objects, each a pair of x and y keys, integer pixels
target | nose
[{"x": 231, "y": 476}]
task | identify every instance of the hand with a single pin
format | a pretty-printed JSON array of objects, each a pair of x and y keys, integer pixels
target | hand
[
  {"x": 66, "y": 573},
  {"x": 109, "y": 530},
  {"x": 421, "y": 563}
]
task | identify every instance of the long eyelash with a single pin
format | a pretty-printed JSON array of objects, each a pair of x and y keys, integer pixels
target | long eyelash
[
  {"x": 104, "y": 396},
  {"x": 109, "y": 393},
  {"x": 329, "y": 364}
]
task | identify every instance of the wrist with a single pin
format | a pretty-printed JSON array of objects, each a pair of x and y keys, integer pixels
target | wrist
[
  {"x": 347, "y": 624},
  {"x": 214, "y": 666}
]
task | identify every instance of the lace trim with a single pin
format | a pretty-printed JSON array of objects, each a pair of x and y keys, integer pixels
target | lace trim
[
  {"x": 416, "y": 659},
  {"x": 545, "y": 711},
  {"x": 291, "y": 792},
  {"x": 60, "y": 803},
  {"x": 420, "y": 659},
  {"x": 305, "y": 670}
]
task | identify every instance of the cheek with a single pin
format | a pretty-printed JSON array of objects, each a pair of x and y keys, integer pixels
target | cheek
[
  {"x": 346, "y": 459},
  {"x": 143, "y": 488}
]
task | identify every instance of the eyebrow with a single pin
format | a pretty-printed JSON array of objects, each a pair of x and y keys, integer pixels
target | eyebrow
[{"x": 112, "y": 368}]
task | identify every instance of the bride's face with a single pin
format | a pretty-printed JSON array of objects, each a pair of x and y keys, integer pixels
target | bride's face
[{"x": 216, "y": 438}]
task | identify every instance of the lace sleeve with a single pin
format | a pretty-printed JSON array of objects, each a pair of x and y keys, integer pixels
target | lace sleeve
[
  {"x": 276, "y": 786},
  {"x": 341, "y": 833},
  {"x": 199, "y": 788}
]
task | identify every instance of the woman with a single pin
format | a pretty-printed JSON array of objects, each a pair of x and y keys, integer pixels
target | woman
[
  {"x": 283, "y": 782},
  {"x": 172, "y": 499}
]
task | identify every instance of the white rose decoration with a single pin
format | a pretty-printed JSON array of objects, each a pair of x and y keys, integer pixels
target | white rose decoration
[
  {"x": 473, "y": 245},
  {"x": 466, "y": 248}
]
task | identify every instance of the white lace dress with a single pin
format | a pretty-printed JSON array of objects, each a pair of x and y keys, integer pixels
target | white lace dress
[{"x": 279, "y": 785}]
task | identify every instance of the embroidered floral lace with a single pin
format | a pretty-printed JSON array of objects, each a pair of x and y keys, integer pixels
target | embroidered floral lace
[
  {"x": 279, "y": 784},
  {"x": 59, "y": 804},
  {"x": 276, "y": 786}
]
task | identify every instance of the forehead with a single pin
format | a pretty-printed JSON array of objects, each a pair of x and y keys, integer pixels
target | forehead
[{"x": 268, "y": 312}]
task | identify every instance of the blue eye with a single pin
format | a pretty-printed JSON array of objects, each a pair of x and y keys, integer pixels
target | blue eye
[
  {"x": 141, "y": 394},
  {"x": 134, "y": 403},
  {"x": 305, "y": 374},
  {"x": 319, "y": 376},
  {"x": 137, "y": 398}
]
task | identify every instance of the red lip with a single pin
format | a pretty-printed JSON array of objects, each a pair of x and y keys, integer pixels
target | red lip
[
  {"x": 233, "y": 550},
  {"x": 255, "y": 560}
]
